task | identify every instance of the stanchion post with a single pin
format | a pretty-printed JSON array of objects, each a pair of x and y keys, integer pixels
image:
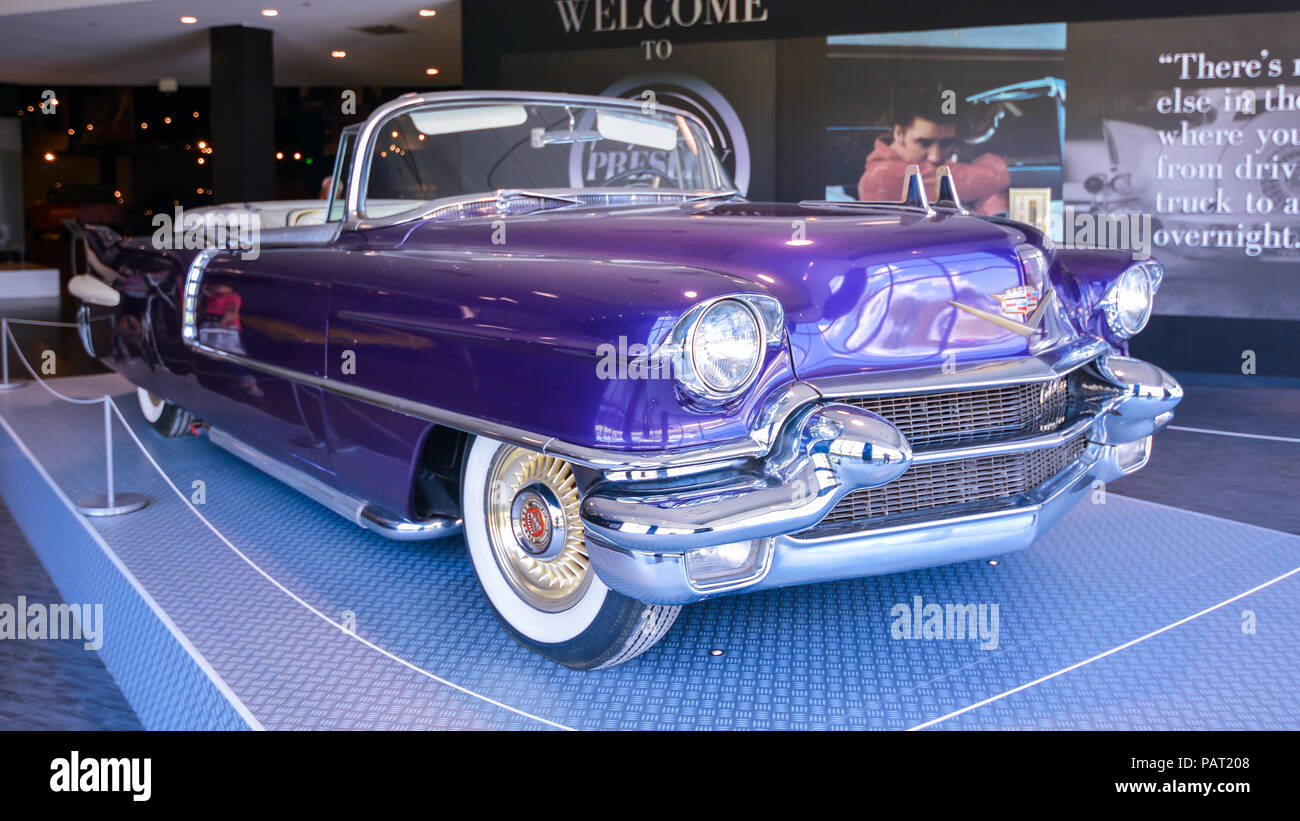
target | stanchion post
[
  {"x": 111, "y": 503},
  {"x": 108, "y": 452},
  {"x": 5, "y": 384}
]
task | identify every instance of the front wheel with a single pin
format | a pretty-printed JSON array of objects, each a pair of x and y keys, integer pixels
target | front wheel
[
  {"x": 168, "y": 419},
  {"x": 529, "y": 550}
]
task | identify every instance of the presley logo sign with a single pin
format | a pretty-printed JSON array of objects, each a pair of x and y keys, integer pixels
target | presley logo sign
[{"x": 580, "y": 16}]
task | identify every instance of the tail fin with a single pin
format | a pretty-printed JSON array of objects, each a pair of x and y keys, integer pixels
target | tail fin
[{"x": 103, "y": 246}]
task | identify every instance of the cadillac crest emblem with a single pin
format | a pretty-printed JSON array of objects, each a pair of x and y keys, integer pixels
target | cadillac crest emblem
[{"x": 1018, "y": 301}]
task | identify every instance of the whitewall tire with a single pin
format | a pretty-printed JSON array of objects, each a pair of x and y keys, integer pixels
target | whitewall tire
[{"x": 528, "y": 548}]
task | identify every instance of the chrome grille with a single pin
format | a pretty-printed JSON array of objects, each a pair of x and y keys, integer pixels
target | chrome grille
[
  {"x": 954, "y": 417},
  {"x": 958, "y": 482}
]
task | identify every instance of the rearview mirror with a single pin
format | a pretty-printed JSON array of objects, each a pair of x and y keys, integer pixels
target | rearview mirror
[{"x": 636, "y": 130}]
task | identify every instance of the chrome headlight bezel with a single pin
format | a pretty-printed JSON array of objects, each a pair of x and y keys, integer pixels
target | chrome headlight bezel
[
  {"x": 1035, "y": 263},
  {"x": 1145, "y": 277},
  {"x": 769, "y": 319},
  {"x": 1156, "y": 272}
]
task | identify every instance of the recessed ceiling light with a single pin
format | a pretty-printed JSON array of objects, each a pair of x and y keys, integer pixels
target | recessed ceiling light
[
  {"x": 338, "y": 54},
  {"x": 187, "y": 20},
  {"x": 431, "y": 71},
  {"x": 269, "y": 12},
  {"x": 427, "y": 12}
]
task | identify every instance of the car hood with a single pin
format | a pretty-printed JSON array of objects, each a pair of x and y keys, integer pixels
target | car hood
[{"x": 864, "y": 288}]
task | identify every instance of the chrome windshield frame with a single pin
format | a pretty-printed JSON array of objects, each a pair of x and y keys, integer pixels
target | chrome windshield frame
[{"x": 363, "y": 148}]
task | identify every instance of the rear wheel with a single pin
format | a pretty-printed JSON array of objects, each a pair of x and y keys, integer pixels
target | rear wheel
[
  {"x": 166, "y": 418},
  {"x": 528, "y": 547}
]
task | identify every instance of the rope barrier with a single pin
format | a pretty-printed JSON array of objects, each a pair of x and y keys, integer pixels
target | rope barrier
[
  {"x": 9, "y": 334},
  {"x": 110, "y": 503},
  {"x": 47, "y": 322},
  {"x": 5, "y": 334}
]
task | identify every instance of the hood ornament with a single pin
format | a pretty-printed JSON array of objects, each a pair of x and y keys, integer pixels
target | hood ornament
[
  {"x": 948, "y": 191},
  {"x": 914, "y": 191}
]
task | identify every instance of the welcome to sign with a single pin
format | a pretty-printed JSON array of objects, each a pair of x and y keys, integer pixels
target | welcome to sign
[{"x": 581, "y": 16}]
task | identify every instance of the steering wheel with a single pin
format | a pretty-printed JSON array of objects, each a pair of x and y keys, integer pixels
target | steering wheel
[{"x": 632, "y": 172}]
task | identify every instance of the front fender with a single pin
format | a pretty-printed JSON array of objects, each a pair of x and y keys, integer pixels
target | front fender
[{"x": 1089, "y": 273}]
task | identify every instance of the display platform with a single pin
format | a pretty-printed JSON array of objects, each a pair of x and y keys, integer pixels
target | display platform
[
  {"x": 233, "y": 620},
  {"x": 19, "y": 281}
]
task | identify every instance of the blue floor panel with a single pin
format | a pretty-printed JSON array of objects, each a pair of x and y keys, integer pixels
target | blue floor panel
[{"x": 819, "y": 656}]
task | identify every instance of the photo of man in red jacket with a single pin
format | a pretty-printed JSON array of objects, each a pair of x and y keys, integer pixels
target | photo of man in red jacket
[{"x": 926, "y": 137}]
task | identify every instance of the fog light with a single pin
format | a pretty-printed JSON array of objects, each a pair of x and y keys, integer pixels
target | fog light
[
  {"x": 1133, "y": 455},
  {"x": 737, "y": 561}
]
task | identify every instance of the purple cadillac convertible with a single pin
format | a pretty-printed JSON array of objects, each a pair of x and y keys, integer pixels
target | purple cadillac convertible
[{"x": 550, "y": 322}]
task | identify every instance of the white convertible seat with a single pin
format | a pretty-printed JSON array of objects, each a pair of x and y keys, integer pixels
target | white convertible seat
[{"x": 282, "y": 221}]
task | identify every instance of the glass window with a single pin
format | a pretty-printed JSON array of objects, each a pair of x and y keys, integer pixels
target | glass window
[
  {"x": 338, "y": 195},
  {"x": 450, "y": 152}
]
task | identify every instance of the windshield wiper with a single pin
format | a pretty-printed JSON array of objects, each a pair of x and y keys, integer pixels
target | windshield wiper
[
  {"x": 714, "y": 196},
  {"x": 509, "y": 194}
]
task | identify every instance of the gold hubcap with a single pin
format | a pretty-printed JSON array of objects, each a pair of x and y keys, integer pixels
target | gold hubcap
[{"x": 535, "y": 529}]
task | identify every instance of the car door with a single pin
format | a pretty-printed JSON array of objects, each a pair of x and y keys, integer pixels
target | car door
[
  {"x": 257, "y": 321},
  {"x": 257, "y": 324}
]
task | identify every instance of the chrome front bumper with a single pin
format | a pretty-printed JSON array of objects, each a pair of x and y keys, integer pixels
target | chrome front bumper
[{"x": 639, "y": 533}]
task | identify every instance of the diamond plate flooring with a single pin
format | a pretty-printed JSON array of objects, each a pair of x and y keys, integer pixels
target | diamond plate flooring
[{"x": 427, "y": 654}]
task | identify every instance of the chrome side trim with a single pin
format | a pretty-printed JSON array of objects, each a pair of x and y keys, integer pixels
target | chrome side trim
[
  {"x": 597, "y": 458},
  {"x": 1047, "y": 365},
  {"x": 768, "y": 423},
  {"x": 357, "y": 511}
]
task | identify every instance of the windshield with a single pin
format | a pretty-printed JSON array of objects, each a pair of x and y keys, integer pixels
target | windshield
[{"x": 435, "y": 153}]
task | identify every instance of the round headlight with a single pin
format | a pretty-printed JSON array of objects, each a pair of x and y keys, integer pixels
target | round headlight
[
  {"x": 725, "y": 346},
  {"x": 1128, "y": 302}
]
